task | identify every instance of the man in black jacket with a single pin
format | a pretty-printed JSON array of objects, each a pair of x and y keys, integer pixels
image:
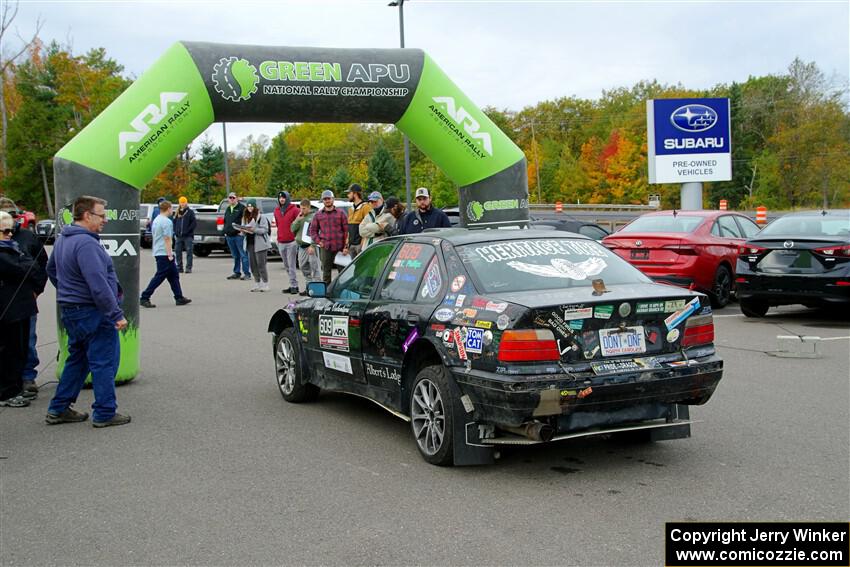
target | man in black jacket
[
  {"x": 30, "y": 245},
  {"x": 184, "y": 234},
  {"x": 21, "y": 280},
  {"x": 233, "y": 214},
  {"x": 423, "y": 216}
]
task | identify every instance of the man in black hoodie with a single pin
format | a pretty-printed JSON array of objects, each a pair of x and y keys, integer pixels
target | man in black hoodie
[{"x": 184, "y": 234}]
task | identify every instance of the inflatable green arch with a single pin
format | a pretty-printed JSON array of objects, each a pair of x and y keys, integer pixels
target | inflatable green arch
[{"x": 195, "y": 84}]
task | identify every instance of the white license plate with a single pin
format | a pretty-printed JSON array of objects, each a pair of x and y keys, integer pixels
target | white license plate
[
  {"x": 198, "y": 238},
  {"x": 616, "y": 342}
]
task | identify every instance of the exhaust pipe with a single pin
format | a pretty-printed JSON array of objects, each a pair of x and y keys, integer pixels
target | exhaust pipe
[{"x": 534, "y": 430}]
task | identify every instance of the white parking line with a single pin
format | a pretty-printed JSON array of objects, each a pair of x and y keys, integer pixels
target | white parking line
[
  {"x": 835, "y": 338},
  {"x": 732, "y": 315}
]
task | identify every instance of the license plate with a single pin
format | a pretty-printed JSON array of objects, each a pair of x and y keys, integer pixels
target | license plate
[
  {"x": 640, "y": 254},
  {"x": 198, "y": 238},
  {"x": 616, "y": 342},
  {"x": 615, "y": 366}
]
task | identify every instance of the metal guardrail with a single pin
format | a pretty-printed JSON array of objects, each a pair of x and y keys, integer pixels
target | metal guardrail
[{"x": 591, "y": 207}]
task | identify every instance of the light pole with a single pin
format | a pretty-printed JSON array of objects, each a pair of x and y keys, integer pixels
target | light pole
[{"x": 400, "y": 4}]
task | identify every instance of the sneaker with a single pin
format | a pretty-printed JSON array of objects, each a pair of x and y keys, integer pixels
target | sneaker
[
  {"x": 117, "y": 419},
  {"x": 293, "y": 290},
  {"x": 70, "y": 415},
  {"x": 264, "y": 287},
  {"x": 16, "y": 402},
  {"x": 255, "y": 287},
  {"x": 146, "y": 303},
  {"x": 188, "y": 270},
  {"x": 30, "y": 386},
  {"x": 246, "y": 276},
  {"x": 28, "y": 395},
  {"x": 182, "y": 301},
  {"x": 233, "y": 277}
]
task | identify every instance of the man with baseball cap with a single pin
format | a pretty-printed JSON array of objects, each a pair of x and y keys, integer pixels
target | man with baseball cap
[
  {"x": 184, "y": 234},
  {"x": 329, "y": 231},
  {"x": 356, "y": 214},
  {"x": 423, "y": 216},
  {"x": 233, "y": 214},
  {"x": 284, "y": 215},
  {"x": 376, "y": 201}
]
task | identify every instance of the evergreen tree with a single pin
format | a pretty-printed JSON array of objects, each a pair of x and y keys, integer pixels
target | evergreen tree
[
  {"x": 384, "y": 174},
  {"x": 341, "y": 180},
  {"x": 285, "y": 174},
  {"x": 204, "y": 170}
]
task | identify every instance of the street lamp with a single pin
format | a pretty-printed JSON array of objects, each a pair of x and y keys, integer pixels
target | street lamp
[{"x": 400, "y": 4}]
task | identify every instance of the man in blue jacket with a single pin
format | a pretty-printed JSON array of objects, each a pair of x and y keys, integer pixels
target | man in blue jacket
[
  {"x": 423, "y": 216},
  {"x": 88, "y": 294}
]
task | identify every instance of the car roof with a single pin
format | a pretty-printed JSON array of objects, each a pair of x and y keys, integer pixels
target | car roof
[
  {"x": 822, "y": 212},
  {"x": 461, "y": 236},
  {"x": 704, "y": 214}
]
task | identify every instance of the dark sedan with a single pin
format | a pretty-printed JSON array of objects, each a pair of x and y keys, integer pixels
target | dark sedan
[
  {"x": 484, "y": 338},
  {"x": 798, "y": 258}
]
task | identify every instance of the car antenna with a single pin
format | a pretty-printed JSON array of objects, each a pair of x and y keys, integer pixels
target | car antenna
[{"x": 675, "y": 212}]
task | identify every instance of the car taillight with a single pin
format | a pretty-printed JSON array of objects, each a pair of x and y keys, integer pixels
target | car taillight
[
  {"x": 698, "y": 331},
  {"x": 682, "y": 249},
  {"x": 219, "y": 222},
  {"x": 528, "y": 345},
  {"x": 834, "y": 250},
  {"x": 750, "y": 250}
]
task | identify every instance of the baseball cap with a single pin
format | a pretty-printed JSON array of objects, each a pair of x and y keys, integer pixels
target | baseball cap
[
  {"x": 374, "y": 196},
  {"x": 231, "y": 194},
  {"x": 182, "y": 200},
  {"x": 355, "y": 188},
  {"x": 391, "y": 202},
  {"x": 327, "y": 193},
  {"x": 423, "y": 192}
]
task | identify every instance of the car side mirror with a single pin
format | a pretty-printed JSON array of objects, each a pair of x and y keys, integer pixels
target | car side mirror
[{"x": 316, "y": 289}]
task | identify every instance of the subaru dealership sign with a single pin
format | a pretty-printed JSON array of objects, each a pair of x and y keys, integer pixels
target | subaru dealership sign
[{"x": 688, "y": 140}]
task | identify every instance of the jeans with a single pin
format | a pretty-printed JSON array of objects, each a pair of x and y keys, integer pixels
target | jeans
[
  {"x": 182, "y": 243},
  {"x": 258, "y": 265},
  {"x": 165, "y": 270},
  {"x": 327, "y": 257},
  {"x": 13, "y": 345},
  {"x": 30, "y": 372},
  {"x": 289, "y": 253},
  {"x": 92, "y": 347},
  {"x": 240, "y": 257},
  {"x": 309, "y": 264}
]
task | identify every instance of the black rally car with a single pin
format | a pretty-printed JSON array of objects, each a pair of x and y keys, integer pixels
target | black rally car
[{"x": 481, "y": 338}]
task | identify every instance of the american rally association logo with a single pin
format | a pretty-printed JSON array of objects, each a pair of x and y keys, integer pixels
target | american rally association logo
[
  {"x": 235, "y": 79},
  {"x": 694, "y": 118}
]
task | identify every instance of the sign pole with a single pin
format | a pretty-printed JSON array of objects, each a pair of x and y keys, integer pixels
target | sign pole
[{"x": 691, "y": 196}]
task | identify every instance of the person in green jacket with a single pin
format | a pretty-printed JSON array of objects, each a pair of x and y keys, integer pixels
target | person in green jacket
[{"x": 308, "y": 259}]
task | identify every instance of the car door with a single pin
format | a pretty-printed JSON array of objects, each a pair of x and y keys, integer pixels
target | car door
[
  {"x": 412, "y": 287},
  {"x": 731, "y": 236},
  {"x": 337, "y": 320}
]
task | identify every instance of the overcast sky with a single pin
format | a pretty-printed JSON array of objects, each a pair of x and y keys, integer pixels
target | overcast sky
[{"x": 506, "y": 54}]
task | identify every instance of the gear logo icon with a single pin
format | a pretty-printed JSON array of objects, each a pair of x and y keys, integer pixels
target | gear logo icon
[
  {"x": 235, "y": 79},
  {"x": 475, "y": 210}
]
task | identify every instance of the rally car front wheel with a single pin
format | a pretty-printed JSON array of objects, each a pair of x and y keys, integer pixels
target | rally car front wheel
[
  {"x": 287, "y": 363},
  {"x": 431, "y": 415}
]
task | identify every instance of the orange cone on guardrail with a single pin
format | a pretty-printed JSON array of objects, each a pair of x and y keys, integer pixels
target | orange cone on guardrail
[
  {"x": 761, "y": 215},
  {"x": 559, "y": 207},
  {"x": 723, "y": 204}
]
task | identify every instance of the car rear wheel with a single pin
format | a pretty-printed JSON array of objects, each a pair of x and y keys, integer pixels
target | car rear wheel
[
  {"x": 721, "y": 291},
  {"x": 287, "y": 363},
  {"x": 431, "y": 415},
  {"x": 201, "y": 251},
  {"x": 754, "y": 307}
]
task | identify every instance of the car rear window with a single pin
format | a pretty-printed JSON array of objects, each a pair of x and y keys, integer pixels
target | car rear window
[
  {"x": 808, "y": 226},
  {"x": 663, "y": 223},
  {"x": 543, "y": 264}
]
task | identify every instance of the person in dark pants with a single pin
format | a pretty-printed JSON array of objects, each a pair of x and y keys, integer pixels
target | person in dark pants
[
  {"x": 166, "y": 268},
  {"x": 88, "y": 295},
  {"x": 329, "y": 231},
  {"x": 184, "y": 234},
  {"x": 423, "y": 216},
  {"x": 233, "y": 214},
  {"x": 21, "y": 279},
  {"x": 31, "y": 245}
]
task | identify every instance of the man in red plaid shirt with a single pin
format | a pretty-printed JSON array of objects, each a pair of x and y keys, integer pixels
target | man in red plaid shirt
[{"x": 329, "y": 231}]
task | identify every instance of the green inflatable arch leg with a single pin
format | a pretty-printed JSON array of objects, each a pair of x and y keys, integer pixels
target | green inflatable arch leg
[{"x": 195, "y": 84}]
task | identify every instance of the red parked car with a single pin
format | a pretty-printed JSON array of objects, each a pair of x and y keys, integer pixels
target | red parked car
[
  {"x": 25, "y": 218},
  {"x": 691, "y": 249}
]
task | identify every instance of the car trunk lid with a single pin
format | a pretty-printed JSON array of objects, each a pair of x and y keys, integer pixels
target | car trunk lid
[{"x": 650, "y": 248}]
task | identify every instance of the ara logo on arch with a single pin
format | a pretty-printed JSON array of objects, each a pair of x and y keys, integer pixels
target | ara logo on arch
[
  {"x": 152, "y": 123},
  {"x": 460, "y": 115}
]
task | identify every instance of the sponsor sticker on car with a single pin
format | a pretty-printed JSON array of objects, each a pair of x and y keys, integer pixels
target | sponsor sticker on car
[
  {"x": 333, "y": 332},
  {"x": 474, "y": 340}
]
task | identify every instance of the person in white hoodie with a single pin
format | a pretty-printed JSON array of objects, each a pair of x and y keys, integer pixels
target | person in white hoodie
[
  {"x": 373, "y": 228},
  {"x": 256, "y": 228}
]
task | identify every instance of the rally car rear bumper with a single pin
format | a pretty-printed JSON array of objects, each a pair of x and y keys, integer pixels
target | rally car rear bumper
[{"x": 573, "y": 402}]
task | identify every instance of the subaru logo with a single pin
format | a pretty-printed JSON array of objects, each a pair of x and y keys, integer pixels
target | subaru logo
[
  {"x": 693, "y": 118},
  {"x": 788, "y": 244}
]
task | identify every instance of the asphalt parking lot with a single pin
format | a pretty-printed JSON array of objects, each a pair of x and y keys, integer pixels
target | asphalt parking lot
[{"x": 216, "y": 469}]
